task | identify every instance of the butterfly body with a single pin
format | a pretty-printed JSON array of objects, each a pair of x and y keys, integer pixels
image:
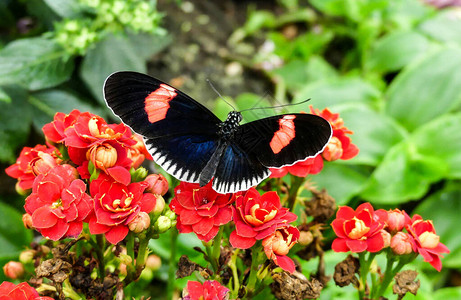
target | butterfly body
[{"x": 191, "y": 143}]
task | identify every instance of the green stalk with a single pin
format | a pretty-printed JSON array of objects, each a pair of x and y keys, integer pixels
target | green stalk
[
  {"x": 142, "y": 255},
  {"x": 100, "y": 254},
  {"x": 172, "y": 265},
  {"x": 364, "y": 269},
  {"x": 233, "y": 267},
  {"x": 296, "y": 183},
  {"x": 216, "y": 252},
  {"x": 255, "y": 261}
]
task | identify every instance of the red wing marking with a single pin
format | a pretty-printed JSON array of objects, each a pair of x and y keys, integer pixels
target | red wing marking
[
  {"x": 284, "y": 135},
  {"x": 157, "y": 104}
]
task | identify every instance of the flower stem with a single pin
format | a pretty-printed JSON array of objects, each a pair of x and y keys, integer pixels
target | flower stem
[
  {"x": 172, "y": 265},
  {"x": 233, "y": 267},
  {"x": 255, "y": 262},
  {"x": 100, "y": 255},
  {"x": 364, "y": 269},
  {"x": 142, "y": 255},
  {"x": 216, "y": 252},
  {"x": 296, "y": 183}
]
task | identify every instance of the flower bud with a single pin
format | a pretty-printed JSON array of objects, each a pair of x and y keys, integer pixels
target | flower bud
[
  {"x": 334, "y": 150},
  {"x": 27, "y": 221},
  {"x": 20, "y": 190},
  {"x": 159, "y": 205},
  {"x": 102, "y": 156},
  {"x": 171, "y": 215},
  {"x": 400, "y": 243},
  {"x": 429, "y": 240},
  {"x": 158, "y": 184},
  {"x": 125, "y": 259},
  {"x": 13, "y": 269},
  {"x": 138, "y": 175},
  {"x": 386, "y": 238},
  {"x": 305, "y": 238},
  {"x": 27, "y": 256},
  {"x": 140, "y": 223},
  {"x": 153, "y": 262},
  {"x": 163, "y": 224},
  {"x": 395, "y": 220},
  {"x": 42, "y": 163}
]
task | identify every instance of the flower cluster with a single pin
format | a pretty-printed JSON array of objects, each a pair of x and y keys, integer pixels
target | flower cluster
[
  {"x": 84, "y": 175},
  {"x": 339, "y": 147},
  {"x": 368, "y": 230},
  {"x": 257, "y": 217},
  {"x": 209, "y": 290}
]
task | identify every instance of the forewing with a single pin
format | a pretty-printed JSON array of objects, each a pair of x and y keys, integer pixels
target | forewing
[
  {"x": 154, "y": 109},
  {"x": 285, "y": 139},
  {"x": 179, "y": 133}
]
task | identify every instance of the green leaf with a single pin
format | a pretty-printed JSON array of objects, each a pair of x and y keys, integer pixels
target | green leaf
[
  {"x": 298, "y": 73},
  {"x": 65, "y": 8},
  {"x": 396, "y": 50},
  {"x": 4, "y": 96},
  {"x": 441, "y": 138},
  {"x": 49, "y": 102},
  {"x": 374, "y": 133},
  {"x": 443, "y": 209},
  {"x": 403, "y": 175},
  {"x": 35, "y": 63},
  {"x": 443, "y": 27},
  {"x": 339, "y": 91},
  {"x": 15, "y": 117},
  {"x": 448, "y": 293},
  {"x": 13, "y": 235},
  {"x": 342, "y": 182},
  {"x": 426, "y": 90},
  {"x": 114, "y": 53}
]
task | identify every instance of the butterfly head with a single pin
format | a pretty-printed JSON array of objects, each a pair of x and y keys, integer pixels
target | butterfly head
[{"x": 228, "y": 127}]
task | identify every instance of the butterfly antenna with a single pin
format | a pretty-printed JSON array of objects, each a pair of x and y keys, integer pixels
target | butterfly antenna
[
  {"x": 216, "y": 91},
  {"x": 277, "y": 106}
]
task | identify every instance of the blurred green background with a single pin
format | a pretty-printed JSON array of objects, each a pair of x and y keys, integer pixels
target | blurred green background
[{"x": 391, "y": 68}]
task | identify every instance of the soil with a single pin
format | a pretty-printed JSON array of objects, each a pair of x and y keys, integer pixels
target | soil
[{"x": 200, "y": 49}]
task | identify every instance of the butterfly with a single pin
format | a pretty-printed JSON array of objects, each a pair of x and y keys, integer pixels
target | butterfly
[{"x": 189, "y": 142}]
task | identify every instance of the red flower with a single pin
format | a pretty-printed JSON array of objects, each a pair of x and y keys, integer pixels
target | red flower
[
  {"x": 58, "y": 203},
  {"x": 426, "y": 242},
  {"x": 107, "y": 146},
  {"x": 138, "y": 152},
  {"x": 22, "y": 291},
  {"x": 117, "y": 205},
  {"x": 201, "y": 210},
  {"x": 358, "y": 230},
  {"x": 277, "y": 246},
  {"x": 32, "y": 162},
  {"x": 257, "y": 217},
  {"x": 311, "y": 165},
  {"x": 210, "y": 290},
  {"x": 54, "y": 131},
  {"x": 340, "y": 146}
]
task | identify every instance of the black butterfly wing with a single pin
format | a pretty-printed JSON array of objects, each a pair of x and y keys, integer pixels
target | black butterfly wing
[
  {"x": 180, "y": 133},
  {"x": 271, "y": 142},
  {"x": 284, "y": 140},
  {"x": 238, "y": 171}
]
